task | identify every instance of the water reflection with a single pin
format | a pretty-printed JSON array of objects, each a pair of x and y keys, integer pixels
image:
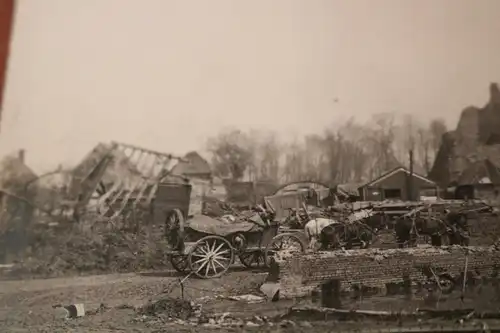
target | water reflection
[{"x": 481, "y": 295}]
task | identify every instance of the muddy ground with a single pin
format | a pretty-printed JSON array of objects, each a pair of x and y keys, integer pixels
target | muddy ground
[
  {"x": 113, "y": 304},
  {"x": 114, "y": 301}
]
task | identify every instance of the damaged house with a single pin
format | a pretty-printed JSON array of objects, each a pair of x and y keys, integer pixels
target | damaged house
[
  {"x": 481, "y": 180},
  {"x": 206, "y": 186},
  {"x": 114, "y": 179},
  {"x": 16, "y": 210},
  {"x": 194, "y": 166},
  {"x": 468, "y": 160}
]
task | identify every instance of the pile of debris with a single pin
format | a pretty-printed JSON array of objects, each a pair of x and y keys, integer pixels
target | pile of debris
[
  {"x": 71, "y": 250},
  {"x": 170, "y": 308}
]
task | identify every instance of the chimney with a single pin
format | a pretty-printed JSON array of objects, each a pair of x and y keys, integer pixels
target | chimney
[
  {"x": 21, "y": 155},
  {"x": 494, "y": 93}
]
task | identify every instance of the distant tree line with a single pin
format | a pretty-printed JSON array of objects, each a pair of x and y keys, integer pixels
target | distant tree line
[{"x": 350, "y": 152}]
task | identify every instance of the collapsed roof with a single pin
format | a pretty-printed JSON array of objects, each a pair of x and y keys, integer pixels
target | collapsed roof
[{"x": 113, "y": 174}]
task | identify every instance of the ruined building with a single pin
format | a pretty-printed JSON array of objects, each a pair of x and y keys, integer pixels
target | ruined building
[{"x": 471, "y": 153}]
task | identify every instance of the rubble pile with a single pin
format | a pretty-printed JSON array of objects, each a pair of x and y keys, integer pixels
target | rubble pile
[
  {"x": 169, "y": 307},
  {"x": 214, "y": 208},
  {"x": 183, "y": 312},
  {"x": 104, "y": 249}
]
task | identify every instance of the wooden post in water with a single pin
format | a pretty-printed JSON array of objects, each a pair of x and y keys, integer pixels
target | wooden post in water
[
  {"x": 330, "y": 294},
  {"x": 407, "y": 285}
]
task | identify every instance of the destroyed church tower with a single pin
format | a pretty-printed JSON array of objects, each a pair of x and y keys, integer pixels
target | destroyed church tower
[
  {"x": 476, "y": 139},
  {"x": 489, "y": 123}
]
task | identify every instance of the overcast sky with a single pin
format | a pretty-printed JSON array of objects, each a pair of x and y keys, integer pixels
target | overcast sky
[{"x": 165, "y": 74}]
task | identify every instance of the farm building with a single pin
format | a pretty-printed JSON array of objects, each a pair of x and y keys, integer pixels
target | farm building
[
  {"x": 195, "y": 167},
  {"x": 481, "y": 180},
  {"x": 395, "y": 185},
  {"x": 15, "y": 174}
]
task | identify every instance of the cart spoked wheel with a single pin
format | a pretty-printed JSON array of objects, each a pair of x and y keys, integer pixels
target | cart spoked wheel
[
  {"x": 211, "y": 257},
  {"x": 286, "y": 242},
  {"x": 174, "y": 229},
  {"x": 179, "y": 262},
  {"x": 254, "y": 259}
]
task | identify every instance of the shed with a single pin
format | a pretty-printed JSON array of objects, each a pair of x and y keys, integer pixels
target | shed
[
  {"x": 395, "y": 185},
  {"x": 481, "y": 180},
  {"x": 195, "y": 167}
]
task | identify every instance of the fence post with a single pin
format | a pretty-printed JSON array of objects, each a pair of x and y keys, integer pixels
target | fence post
[
  {"x": 407, "y": 285},
  {"x": 330, "y": 294}
]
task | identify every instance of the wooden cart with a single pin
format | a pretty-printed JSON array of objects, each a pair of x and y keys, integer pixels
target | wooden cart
[{"x": 207, "y": 246}]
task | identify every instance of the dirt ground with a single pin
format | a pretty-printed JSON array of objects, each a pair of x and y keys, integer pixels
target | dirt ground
[
  {"x": 27, "y": 305},
  {"x": 113, "y": 302}
]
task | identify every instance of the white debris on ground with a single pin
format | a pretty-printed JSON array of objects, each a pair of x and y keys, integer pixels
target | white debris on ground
[
  {"x": 250, "y": 299},
  {"x": 198, "y": 318}
]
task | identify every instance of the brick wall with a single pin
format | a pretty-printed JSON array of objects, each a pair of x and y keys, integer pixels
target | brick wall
[{"x": 299, "y": 275}]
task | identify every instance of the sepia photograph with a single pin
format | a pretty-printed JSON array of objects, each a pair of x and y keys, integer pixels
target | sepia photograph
[{"x": 249, "y": 166}]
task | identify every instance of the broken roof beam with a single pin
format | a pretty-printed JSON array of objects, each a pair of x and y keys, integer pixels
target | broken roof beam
[{"x": 154, "y": 152}]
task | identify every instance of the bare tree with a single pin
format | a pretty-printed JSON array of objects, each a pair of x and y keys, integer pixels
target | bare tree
[
  {"x": 332, "y": 143},
  {"x": 357, "y": 156},
  {"x": 349, "y": 152},
  {"x": 423, "y": 139},
  {"x": 423, "y": 148},
  {"x": 293, "y": 169},
  {"x": 232, "y": 154},
  {"x": 380, "y": 138},
  {"x": 412, "y": 137},
  {"x": 437, "y": 128},
  {"x": 267, "y": 155},
  {"x": 313, "y": 157}
]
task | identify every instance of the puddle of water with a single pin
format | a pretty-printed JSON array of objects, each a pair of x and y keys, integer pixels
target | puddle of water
[{"x": 484, "y": 296}]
